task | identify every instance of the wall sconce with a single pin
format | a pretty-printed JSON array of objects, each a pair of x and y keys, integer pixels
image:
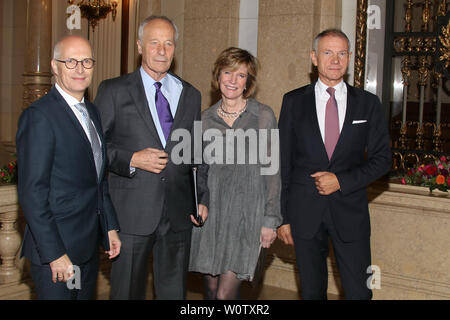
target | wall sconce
[{"x": 96, "y": 9}]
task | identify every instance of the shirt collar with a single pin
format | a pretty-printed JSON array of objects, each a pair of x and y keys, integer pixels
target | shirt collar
[
  {"x": 146, "y": 78},
  {"x": 71, "y": 101},
  {"x": 341, "y": 88}
]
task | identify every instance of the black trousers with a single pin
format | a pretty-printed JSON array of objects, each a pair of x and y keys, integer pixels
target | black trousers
[
  {"x": 47, "y": 290},
  {"x": 352, "y": 259},
  {"x": 170, "y": 265}
]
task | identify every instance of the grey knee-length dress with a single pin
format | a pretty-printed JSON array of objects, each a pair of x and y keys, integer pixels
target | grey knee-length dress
[{"x": 241, "y": 198}]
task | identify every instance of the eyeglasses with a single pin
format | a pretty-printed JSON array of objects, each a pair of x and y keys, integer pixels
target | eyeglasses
[{"x": 71, "y": 63}]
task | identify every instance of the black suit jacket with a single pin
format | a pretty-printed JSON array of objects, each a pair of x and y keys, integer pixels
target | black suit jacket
[
  {"x": 59, "y": 191},
  {"x": 362, "y": 155},
  {"x": 141, "y": 198}
]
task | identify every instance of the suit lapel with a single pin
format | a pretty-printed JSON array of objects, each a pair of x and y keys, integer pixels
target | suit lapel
[
  {"x": 179, "y": 115},
  {"x": 316, "y": 136},
  {"x": 98, "y": 126},
  {"x": 77, "y": 126},
  {"x": 346, "y": 128},
  {"x": 137, "y": 92}
]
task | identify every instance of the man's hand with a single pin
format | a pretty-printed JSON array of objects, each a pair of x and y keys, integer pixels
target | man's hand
[
  {"x": 203, "y": 213},
  {"x": 62, "y": 269},
  {"x": 285, "y": 234},
  {"x": 326, "y": 182},
  {"x": 267, "y": 237},
  {"x": 152, "y": 160},
  {"x": 114, "y": 244}
]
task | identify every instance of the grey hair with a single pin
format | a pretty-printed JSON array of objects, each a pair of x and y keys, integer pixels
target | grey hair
[
  {"x": 57, "y": 50},
  {"x": 330, "y": 32},
  {"x": 147, "y": 21}
]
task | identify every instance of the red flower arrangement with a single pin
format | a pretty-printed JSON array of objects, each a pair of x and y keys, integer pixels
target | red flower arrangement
[
  {"x": 8, "y": 173},
  {"x": 434, "y": 176}
]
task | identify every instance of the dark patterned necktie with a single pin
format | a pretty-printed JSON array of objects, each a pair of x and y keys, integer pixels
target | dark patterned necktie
[
  {"x": 331, "y": 123},
  {"x": 163, "y": 109},
  {"x": 95, "y": 143}
]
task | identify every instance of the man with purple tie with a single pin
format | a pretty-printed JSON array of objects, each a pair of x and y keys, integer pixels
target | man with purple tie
[
  {"x": 153, "y": 197},
  {"x": 333, "y": 143}
]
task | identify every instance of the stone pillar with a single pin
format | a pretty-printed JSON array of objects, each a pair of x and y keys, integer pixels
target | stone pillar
[
  {"x": 9, "y": 236},
  {"x": 285, "y": 35},
  {"x": 37, "y": 76},
  {"x": 175, "y": 11}
]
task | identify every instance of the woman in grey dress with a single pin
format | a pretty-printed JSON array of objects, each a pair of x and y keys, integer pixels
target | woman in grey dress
[{"x": 241, "y": 149}]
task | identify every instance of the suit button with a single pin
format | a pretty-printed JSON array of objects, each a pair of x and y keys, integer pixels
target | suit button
[{"x": 163, "y": 179}]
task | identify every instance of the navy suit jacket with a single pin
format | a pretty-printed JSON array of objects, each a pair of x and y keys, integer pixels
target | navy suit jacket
[
  {"x": 59, "y": 191},
  {"x": 362, "y": 155}
]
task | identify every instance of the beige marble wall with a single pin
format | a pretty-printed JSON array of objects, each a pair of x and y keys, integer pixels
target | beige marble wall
[
  {"x": 327, "y": 14},
  {"x": 410, "y": 237},
  {"x": 175, "y": 11},
  {"x": 285, "y": 35},
  {"x": 209, "y": 28},
  {"x": 148, "y": 8},
  {"x": 12, "y": 50}
]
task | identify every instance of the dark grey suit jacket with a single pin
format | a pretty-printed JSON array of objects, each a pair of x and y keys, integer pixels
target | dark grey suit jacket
[
  {"x": 362, "y": 155},
  {"x": 142, "y": 197}
]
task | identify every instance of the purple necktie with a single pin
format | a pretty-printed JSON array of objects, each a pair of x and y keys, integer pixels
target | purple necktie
[
  {"x": 331, "y": 123},
  {"x": 163, "y": 109}
]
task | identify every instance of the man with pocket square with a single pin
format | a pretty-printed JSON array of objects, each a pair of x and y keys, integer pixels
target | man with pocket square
[{"x": 334, "y": 143}]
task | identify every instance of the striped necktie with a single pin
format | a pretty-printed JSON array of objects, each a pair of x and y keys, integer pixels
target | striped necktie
[{"x": 95, "y": 143}]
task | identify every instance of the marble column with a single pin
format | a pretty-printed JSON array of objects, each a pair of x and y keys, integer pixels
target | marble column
[
  {"x": 37, "y": 76},
  {"x": 12, "y": 48}
]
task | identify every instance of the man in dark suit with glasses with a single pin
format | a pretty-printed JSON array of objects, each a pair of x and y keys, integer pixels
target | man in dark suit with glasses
[{"x": 62, "y": 186}]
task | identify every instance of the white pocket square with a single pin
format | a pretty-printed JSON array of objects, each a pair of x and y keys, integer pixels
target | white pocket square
[{"x": 358, "y": 121}]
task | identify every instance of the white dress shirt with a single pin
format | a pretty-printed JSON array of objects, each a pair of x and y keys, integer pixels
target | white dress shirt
[
  {"x": 71, "y": 101},
  {"x": 322, "y": 97}
]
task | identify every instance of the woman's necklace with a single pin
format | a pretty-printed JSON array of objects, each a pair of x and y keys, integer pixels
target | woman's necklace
[{"x": 231, "y": 115}]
